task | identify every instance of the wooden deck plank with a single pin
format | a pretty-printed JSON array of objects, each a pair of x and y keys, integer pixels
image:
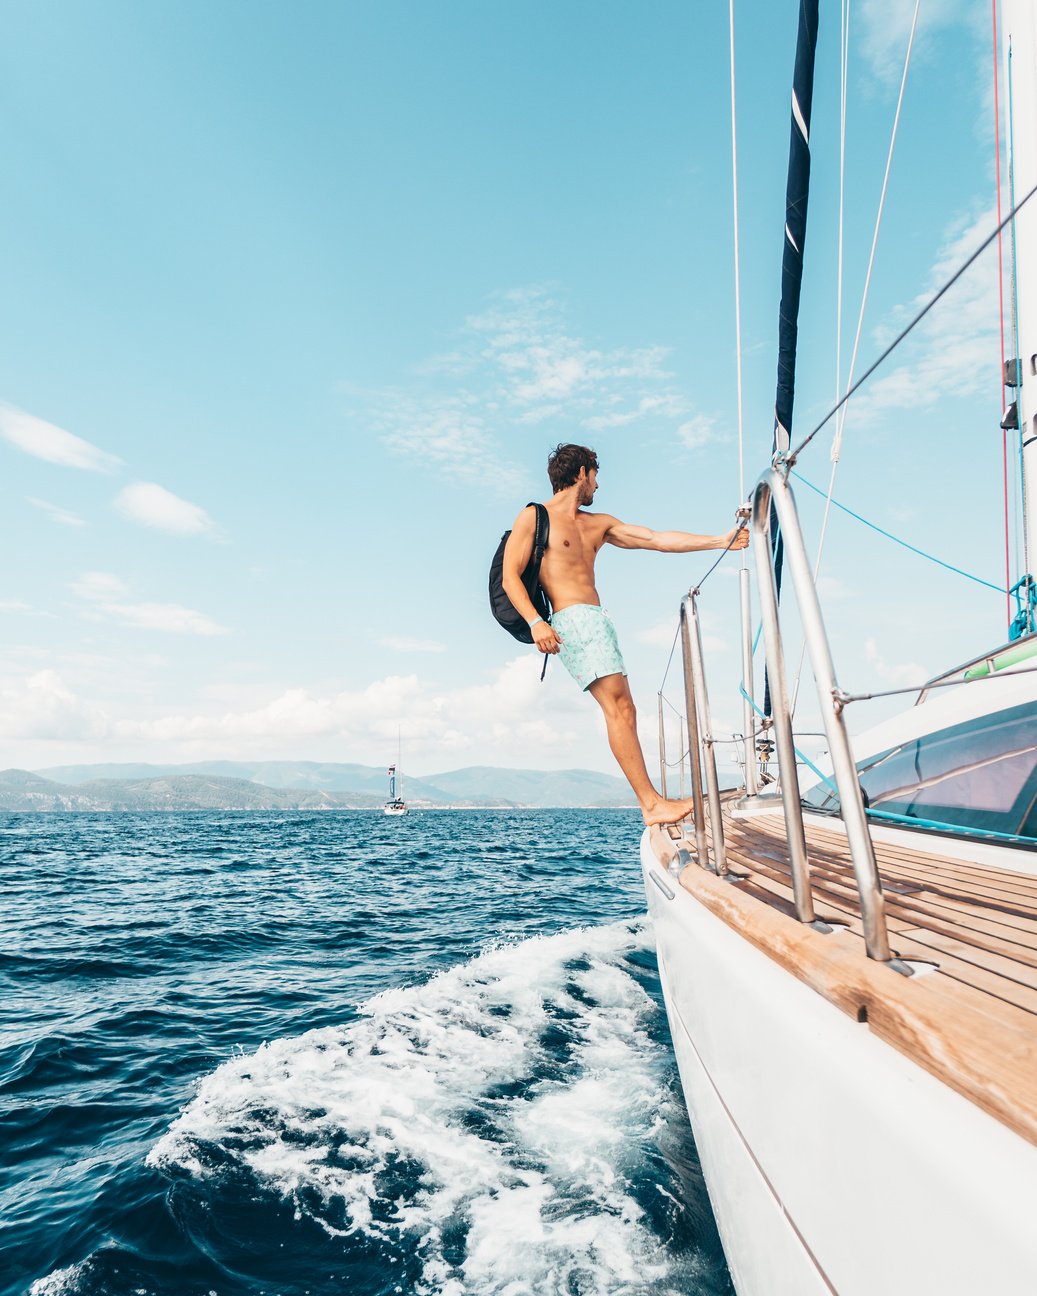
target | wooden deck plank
[
  {"x": 906, "y": 945},
  {"x": 977, "y": 1043},
  {"x": 1015, "y": 961},
  {"x": 1012, "y": 922}
]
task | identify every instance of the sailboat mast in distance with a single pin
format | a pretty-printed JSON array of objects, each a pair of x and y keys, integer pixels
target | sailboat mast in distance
[{"x": 396, "y": 804}]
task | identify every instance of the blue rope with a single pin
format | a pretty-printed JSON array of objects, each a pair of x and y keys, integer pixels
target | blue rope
[{"x": 896, "y": 539}]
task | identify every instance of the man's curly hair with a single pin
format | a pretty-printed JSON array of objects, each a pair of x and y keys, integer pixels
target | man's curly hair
[{"x": 564, "y": 464}]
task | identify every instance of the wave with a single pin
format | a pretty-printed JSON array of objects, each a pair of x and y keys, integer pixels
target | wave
[{"x": 490, "y": 1124}]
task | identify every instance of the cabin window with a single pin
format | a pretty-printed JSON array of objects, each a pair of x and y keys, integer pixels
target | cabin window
[{"x": 980, "y": 775}]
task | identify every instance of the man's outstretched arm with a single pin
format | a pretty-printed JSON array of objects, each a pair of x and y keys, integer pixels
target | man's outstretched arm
[{"x": 625, "y": 536}]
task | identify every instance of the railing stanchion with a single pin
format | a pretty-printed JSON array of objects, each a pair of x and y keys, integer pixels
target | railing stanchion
[
  {"x": 683, "y": 749},
  {"x": 858, "y": 837},
  {"x": 694, "y": 749},
  {"x": 761, "y": 531},
  {"x": 748, "y": 714},
  {"x": 662, "y": 747},
  {"x": 716, "y": 822}
]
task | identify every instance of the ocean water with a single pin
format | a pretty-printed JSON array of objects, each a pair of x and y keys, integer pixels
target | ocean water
[{"x": 312, "y": 1053}]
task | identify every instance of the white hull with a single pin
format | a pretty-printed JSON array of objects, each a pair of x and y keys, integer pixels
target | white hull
[
  {"x": 396, "y": 811},
  {"x": 834, "y": 1163}
]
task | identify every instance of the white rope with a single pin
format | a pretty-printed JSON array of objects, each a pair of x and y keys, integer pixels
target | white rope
[
  {"x": 738, "y": 280},
  {"x": 841, "y": 421},
  {"x": 837, "y": 440}
]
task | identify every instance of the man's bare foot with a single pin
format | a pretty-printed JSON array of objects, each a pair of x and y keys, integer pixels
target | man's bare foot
[{"x": 667, "y": 812}]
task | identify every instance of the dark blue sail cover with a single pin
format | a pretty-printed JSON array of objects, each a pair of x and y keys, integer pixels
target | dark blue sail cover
[{"x": 797, "y": 191}]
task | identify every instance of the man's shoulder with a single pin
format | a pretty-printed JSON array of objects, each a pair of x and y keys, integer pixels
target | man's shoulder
[
  {"x": 600, "y": 521},
  {"x": 526, "y": 518}
]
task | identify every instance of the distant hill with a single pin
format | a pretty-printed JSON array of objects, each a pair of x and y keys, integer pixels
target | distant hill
[{"x": 296, "y": 785}]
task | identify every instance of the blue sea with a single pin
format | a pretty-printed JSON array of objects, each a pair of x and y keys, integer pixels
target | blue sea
[{"x": 339, "y": 1053}]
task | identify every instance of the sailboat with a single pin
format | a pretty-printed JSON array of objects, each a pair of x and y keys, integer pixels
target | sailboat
[
  {"x": 396, "y": 804},
  {"x": 850, "y": 966}
]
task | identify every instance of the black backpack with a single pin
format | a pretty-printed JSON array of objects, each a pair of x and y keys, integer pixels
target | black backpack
[{"x": 500, "y": 605}]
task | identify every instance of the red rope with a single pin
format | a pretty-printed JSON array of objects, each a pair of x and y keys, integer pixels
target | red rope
[{"x": 1001, "y": 307}]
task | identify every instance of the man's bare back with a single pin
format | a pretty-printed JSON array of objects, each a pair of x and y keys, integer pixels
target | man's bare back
[{"x": 567, "y": 574}]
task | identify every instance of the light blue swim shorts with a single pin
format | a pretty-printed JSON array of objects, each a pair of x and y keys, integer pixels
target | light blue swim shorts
[{"x": 589, "y": 648}]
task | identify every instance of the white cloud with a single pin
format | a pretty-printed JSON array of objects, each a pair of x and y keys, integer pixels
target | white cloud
[
  {"x": 885, "y": 25},
  {"x": 41, "y": 706},
  {"x": 517, "y": 365},
  {"x": 100, "y": 586},
  {"x": 949, "y": 355},
  {"x": 660, "y": 635},
  {"x": 831, "y": 587},
  {"x": 512, "y": 707},
  {"x": 15, "y": 605},
  {"x": 55, "y": 445},
  {"x": 445, "y": 433},
  {"x": 106, "y": 596},
  {"x": 512, "y": 711},
  {"x": 55, "y": 513},
  {"x": 899, "y": 674},
  {"x": 698, "y": 431},
  {"x": 171, "y": 617},
  {"x": 405, "y": 644},
  {"x": 154, "y": 506}
]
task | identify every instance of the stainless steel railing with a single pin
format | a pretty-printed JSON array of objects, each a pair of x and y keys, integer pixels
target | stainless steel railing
[{"x": 773, "y": 491}]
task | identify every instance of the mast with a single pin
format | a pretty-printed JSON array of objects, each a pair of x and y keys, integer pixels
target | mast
[
  {"x": 797, "y": 192},
  {"x": 1019, "y": 34}
]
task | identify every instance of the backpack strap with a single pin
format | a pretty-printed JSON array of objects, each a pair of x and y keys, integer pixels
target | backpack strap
[{"x": 540, "y": 538}]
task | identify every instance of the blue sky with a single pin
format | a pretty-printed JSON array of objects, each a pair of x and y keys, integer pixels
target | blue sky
[{"x": 298, "y": 298}]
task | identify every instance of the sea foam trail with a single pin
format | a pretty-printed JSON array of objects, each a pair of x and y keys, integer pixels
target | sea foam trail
[{"x": 493, "y": 1121}]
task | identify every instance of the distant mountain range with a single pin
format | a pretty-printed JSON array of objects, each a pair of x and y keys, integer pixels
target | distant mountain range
[{"x": 297, "y": 785}]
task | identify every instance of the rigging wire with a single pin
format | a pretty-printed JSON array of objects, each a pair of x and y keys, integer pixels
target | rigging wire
[
  {"x": 837, "y": 440},
  {"x": 846, "y": 698},
  {"x": 738, "y": 281},
  {"x": 1025, "y": 565},
  {"x": 786, "y": 461},
  {"x": 1001, "y": 315}
]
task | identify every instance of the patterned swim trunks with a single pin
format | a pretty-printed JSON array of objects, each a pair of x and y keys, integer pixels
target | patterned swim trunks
[{"x": 589, "y": 648}]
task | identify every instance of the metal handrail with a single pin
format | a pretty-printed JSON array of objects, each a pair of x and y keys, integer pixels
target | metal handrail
[
  {"x": 780, "y": 710},
  {"x": 694, "y": 744},
  {"x": 772, "y": 489},
  {"x": 691, "y": 635},
  {"x": 662, "y": 748},
  {"x": 748, "y": 715}
]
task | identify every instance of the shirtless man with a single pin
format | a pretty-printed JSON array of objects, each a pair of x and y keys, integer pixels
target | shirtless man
[{"x": 579, "y": 630}]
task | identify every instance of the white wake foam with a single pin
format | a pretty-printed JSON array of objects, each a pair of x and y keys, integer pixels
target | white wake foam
[{"x": 511, "y": 1096}]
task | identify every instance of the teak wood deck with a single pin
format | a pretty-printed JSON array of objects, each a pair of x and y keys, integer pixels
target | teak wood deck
[{"x": 972, "y": 1022}]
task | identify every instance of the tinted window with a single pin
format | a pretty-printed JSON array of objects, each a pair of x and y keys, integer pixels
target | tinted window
[{"x": 981, "y": 774}]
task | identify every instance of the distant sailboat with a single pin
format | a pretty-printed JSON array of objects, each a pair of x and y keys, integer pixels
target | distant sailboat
[{"x": 396, "y": 804}]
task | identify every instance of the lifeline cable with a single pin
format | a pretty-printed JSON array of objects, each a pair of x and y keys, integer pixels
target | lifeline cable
[{"x": 896, "y": 539}]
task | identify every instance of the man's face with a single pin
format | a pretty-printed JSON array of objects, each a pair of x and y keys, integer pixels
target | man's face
[{"x": 588, "y": 482}]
